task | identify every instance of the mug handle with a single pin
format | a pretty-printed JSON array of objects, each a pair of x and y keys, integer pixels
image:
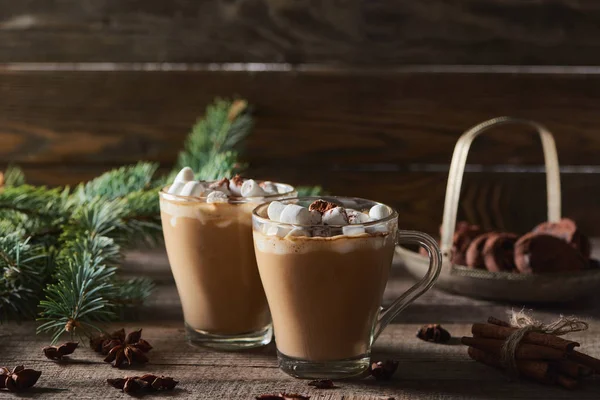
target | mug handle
[{"x": 417, "y": 290}]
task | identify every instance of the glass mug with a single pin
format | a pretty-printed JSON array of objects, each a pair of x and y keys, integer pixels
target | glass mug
[
  {"x": 211, "y": 254},
  {"x": 325, "y": 290}
]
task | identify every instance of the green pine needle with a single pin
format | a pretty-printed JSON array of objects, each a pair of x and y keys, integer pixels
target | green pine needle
[{"x": 13, "y": 176}]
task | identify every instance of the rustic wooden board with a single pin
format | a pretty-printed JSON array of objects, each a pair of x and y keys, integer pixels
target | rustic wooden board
[
  {"x": 319, "y": 118},
  {"x": 386, "y": 136},
  {"x": 426, "y": 371},
  {"x": 356, "y": 31}
]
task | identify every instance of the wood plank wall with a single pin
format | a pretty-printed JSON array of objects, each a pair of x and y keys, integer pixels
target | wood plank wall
[{"x": 366, "y": 98}]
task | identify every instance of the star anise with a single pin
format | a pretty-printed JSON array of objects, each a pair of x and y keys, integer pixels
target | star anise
[
  {"x": 144, "y": 383},
  {"x": 322, "y": 384},
  {"x": 284, "y": 396},
  {"x": 19, "y": 379},
  {"x": 97, "y": 343},
  {"x": 130, "y": 350},
  {"x": 58, "y": 352},
  {"x": 384, "y": 370},
  {"x": 433, "y": 333}
]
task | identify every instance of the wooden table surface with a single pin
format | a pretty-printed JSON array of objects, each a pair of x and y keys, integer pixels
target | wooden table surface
[{"x": 426, "y": 370}]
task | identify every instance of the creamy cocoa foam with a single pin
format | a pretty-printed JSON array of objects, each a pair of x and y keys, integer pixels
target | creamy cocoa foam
[
  {"x": 324, "y": 281},
  {"x": 208, "y": 235}
]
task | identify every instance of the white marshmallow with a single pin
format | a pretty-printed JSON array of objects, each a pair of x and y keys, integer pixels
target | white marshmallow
[
  {"x": 298, "y": 232},
  {"x": 277, "y": 230},
  {"x": 250, "y": 188},
  {"x": 379, "y": 228},
  {"x": 223, "y": 187},
  {"x": 176, "y": 187},
  {"x": 379, "y": 211},
  {"x": 295, "y": 214},
  {"x": 274, "y": 210},
  {"x": 335, "y": 216},
  {"x": 217, "y": 197},
  {"x": 350, "y": 230},
  {"x": 236, "y": 190},
  {"x": 315, "y": 217},
  {"x": 192, "y": 188},
  {"x": 185, "y": 175},
  {"x": 269, "y": 187},
  {"x": 356, "y": 217}
]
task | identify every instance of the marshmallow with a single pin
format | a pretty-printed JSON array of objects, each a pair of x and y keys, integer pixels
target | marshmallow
[
  {"x": 192, "y": 188},
  {"x": 217, "y": 197},
  {"x": 379, "y": 211},
  {"x": 298, "y": 232},
  {"x": 356, "y": 217},
  {"x": 235, "y": 185},
  {"x": 315, "y": 217},
  {"x": 185, "y": 175},
  {"x": 274, "y": 210},
  {"x": 350, "y": 230},
  {"x": 335, "y": 216},
  {"x": 251, "y": 189},
  {"x": 295, "y": 214},
  {"x": 221, "y": 186},
  {"x": 269, "y": 187},
  {"x": 379, "y": 228},
  {"x": 277, "y": 230},
  {"x": 176, "y": 187}
]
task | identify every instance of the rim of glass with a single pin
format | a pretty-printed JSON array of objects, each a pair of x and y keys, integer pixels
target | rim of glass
[
  {"x": 392, "y": 216},
  {"x": 236, "y": 199}
]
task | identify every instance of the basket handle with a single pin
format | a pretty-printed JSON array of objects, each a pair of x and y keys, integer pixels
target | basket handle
[{"x": 457, "y": 169}]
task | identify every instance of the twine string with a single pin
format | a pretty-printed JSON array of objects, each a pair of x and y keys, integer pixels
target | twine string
[{"x": 525, "y": 324}]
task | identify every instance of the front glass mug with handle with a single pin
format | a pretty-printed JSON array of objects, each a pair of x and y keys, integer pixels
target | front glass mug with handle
[{"x": 324, "y": 285}]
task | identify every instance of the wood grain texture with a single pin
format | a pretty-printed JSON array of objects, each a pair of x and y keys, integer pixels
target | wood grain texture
[
  {"x": 341, "y": 118},
  {"x": 426, "y": 371},
  {"x": 359, "y": 32}
]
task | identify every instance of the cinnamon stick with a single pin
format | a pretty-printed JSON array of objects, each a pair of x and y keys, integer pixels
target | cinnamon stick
[
  {"x": 536, "y": 370},
  {"x": 584, "y": 359},
  {"x": 499, "y": 322},
  {"x": 525, "y": 351},
  {"x": 566, "y": 382},
  {"x": 572, "y": 369},
  {"x": 491, "y": 331}
]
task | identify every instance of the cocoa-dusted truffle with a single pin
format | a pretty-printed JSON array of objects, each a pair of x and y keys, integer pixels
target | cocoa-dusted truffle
[
  {"x": 498, "y": 252},
  {"x": 567, "y": 230},
  {"x": 474, "y": 253},
  {"x": 541, "y": 253},
  {"x": 463, "y": 236}
]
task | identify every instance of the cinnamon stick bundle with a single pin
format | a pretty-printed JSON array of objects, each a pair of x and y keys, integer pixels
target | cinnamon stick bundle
[
  {"x": 537, "y": 370},
  {"x": 546, "y": 358},
  {"x": 502, "y": 332},
  {"x": 524, "y": 352}
]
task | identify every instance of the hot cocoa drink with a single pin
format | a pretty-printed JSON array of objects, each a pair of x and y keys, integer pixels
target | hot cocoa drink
[
  {"x": 324, "y": 265},
  {"x": 208, "y": 236}
]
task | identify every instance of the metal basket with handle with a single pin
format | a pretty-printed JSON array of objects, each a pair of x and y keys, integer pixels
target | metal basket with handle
[{"x": 550, "y": 287}]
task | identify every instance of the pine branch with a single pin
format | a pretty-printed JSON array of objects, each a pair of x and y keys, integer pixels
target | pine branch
[
  {"x": 23, "y": 270},
  {"x": 13, "y": 176},
  {"x": 212, "y": 147},
  {"x": 85, "y": 269},
  {"x": 118, "y": 183}
]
